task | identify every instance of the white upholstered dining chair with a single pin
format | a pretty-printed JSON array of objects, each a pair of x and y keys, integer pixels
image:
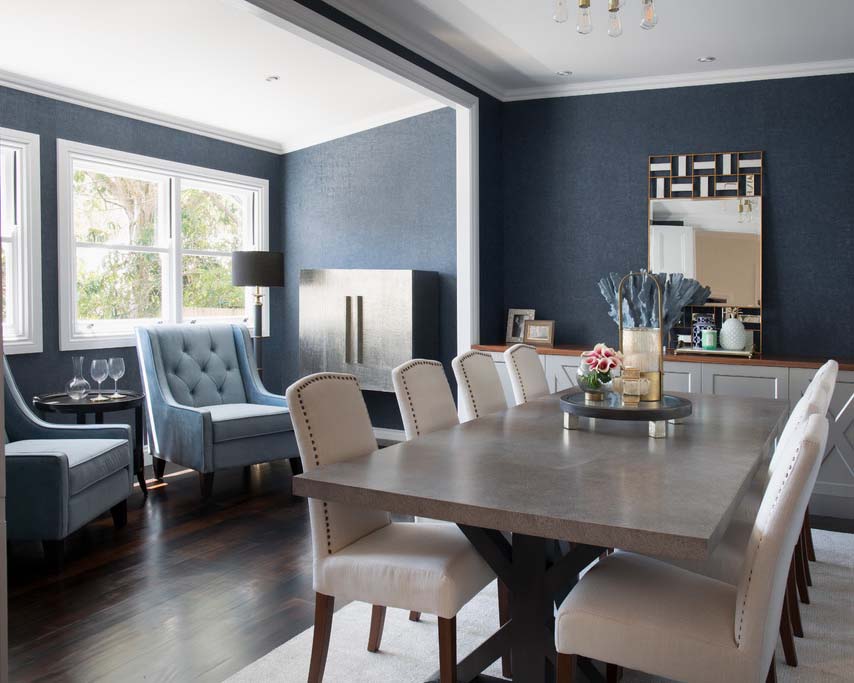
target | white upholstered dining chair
[
  {"x": 527, "y": 376},
  {"x": 427, "y": 405},
  {"x": 637, "y": 612},
  {"x": 479, "y": 388},
  {"x": 359, "y": 553}
]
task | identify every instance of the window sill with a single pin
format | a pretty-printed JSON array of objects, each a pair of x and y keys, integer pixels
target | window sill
[{"x": 13, "y": 347}]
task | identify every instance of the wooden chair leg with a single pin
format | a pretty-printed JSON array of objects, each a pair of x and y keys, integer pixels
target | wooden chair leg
[
  {"x": 503, "y": 618},
  {"x": 772, "y": 673},
  {"x": 120, "y": 514},
  {"x": 808, "y": 536},
  {"x": 448, "y": 650},
  {"x": 800, "y": 577},
  {"x": 786, "y": 635},
  {"x": 612, "y": 673},
  {"x": 565, "y": 668},
  {"x": 206, "y": 480},
  {"x": 159, "y": 467},
  {"x": 377, "y": 623},
  {"x": 324, "y": 606},
  {"x": 792, "y": 599},
  {"x": 807, "y": 572},
  {"x": 415, "y": 616}
]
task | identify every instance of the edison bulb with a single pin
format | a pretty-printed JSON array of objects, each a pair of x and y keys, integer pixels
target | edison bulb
[
  {"x": 561, "y": 11},
  {"x": 615, "y": 24},
  {"x": 584, "y": 24},
  {"x": 648, "y": 17}
]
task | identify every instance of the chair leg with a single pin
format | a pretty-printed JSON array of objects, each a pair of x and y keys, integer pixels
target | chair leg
[
  {"x": 415, "y": 616},
  {"x": 805, "y": 554},
  {"x": 612, "y": 673},
  {"x": 503, "y": 618},
  {"x": 159, "y": 467},
  {"x": 206, "y": 480},
  {"x": 54, "y": 554},
  {"x": 377, "y": 623},
  {"x": 565, "y": 668},
  {"x": 448, "y": 650},
  {"x": 786, "y": 635},
  {"x": 808, "y": 536},
  {"x": 120, "y": 514},
  {"x": 800, "y": 577},
  {"x": 772, "y": 673},
  {"x": 792, "y": 599},
  {"x": 324, "y": 606}
]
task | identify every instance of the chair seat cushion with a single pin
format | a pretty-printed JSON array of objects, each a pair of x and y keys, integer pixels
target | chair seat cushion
[
  {"x": 648, "y": 615},
  {"x": 89, "y": 460},
  {"x": 423, "y": 567},
  {"x": 242, "y": 420}
]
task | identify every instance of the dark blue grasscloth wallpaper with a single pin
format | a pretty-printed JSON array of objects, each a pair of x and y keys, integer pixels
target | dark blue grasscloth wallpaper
[
  {"x": 575, "y": 187},
  {"x": 383, "y": 198},
  {"x": 52, "y": 119}
]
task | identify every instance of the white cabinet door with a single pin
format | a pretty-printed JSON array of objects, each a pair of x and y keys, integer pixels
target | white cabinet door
[
  {"x": 683, "y": 377},
  {"x": 834, "y": 490},
  {"x": 745, "y": 380},
  {"x": 560, "y": 372}
]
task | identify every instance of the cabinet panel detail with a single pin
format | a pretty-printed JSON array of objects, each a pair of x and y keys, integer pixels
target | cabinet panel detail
[{"x": 736, "y": 380}]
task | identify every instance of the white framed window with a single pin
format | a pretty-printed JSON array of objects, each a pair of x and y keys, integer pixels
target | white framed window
[
  {"x": 143, "y": 240},
  {"x": 20, "y": 239}
]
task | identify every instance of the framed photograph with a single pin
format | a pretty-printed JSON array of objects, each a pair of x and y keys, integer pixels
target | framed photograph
[
  {"x": 516, "y": 318},
  {"x": 539, "y": 333}
]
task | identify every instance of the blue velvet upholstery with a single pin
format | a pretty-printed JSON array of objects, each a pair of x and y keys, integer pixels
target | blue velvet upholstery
[
  {"x": 207, "y": 407},
  {"x": 60, "y": 477}
]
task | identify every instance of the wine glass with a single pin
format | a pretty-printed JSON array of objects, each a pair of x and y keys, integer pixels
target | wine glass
[
  {"x": 99, "y": 374},
  {"x": 117, "y": 371}
]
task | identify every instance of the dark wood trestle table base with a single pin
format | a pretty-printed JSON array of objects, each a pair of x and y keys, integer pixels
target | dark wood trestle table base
[{"x": 562, "y": 497}]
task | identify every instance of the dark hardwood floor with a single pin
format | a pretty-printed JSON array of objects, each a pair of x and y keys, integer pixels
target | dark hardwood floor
[{"x": 185, "y": 591}]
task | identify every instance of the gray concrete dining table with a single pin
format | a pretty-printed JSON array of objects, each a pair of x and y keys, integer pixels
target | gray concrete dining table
[{"x": 561, "y": 497}]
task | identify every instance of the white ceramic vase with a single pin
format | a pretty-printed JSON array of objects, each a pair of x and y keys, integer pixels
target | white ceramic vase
[{"x": 732, "y": 336}]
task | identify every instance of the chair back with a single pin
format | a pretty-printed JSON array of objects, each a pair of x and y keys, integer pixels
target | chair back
[
  {"x": 824, "y": 379},
  {"x": 424, "y": 396},
  {"x": 768, "y": 554},
  {"x": 809, "y": 404},
  {"x": 17, "y": 414},
  {"x": 527, "y": 376},
  {"x": 331, "y": 425},
  {"x": 478, "y": 384},
  {"x": 198, "y": 365}
]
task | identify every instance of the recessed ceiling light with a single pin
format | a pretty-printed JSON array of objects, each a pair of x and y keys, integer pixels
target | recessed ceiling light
[
  {"x": 706, "y": 60},
  {"x": 564, "y": 74},
  {"x": 271, "y": 79}
]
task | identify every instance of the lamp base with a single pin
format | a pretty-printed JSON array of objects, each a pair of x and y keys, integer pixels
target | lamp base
[{"x": 258, "y": 333}]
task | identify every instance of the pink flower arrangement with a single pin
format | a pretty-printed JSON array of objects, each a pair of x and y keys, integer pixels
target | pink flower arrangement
[{"x": 600, "y": 362}]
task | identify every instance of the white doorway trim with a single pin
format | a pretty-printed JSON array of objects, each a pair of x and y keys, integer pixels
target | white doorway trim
[{"x": 299, "y": 20}]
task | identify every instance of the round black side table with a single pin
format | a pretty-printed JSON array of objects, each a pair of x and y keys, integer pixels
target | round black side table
[{"x": 63, "y": 403}]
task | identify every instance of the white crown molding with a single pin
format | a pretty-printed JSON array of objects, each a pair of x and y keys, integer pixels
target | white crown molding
[
  {"x": 363, "y": 125},
  {"x": 83, "y": 99},
  {"x": 464, "y": 70},
  {"x": 764, "y": 73}
]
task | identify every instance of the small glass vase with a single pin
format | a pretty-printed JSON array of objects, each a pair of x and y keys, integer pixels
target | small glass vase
[
  {"x": 77, "y": 387},
  {"x": 591, "y": 384}
]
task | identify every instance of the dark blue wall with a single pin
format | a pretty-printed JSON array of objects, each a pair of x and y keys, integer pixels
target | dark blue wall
[
  {"x": 575, "y": 199},
  {"x": 52, "y": 119},
  {"x": 383, "y": 198}
]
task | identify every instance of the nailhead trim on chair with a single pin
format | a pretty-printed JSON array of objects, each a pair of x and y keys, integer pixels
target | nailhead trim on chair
[
  {"x": 759, "y": 543},
  {"x": 462, "y": 359},
  {"x": 403, "y": 372},
  {"x": 325, "y": 376},
  {"x": 518, "y": 372}
]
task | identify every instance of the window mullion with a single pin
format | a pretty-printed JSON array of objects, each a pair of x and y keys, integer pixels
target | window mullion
[{"x": 176, "y": 286}]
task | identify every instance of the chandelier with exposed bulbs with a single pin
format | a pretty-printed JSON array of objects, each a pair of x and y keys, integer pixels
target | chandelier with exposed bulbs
[{"x": 584, "y": 22}]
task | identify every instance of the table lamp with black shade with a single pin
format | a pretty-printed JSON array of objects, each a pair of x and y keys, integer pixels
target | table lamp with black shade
[{"x": 258, "y": 269}]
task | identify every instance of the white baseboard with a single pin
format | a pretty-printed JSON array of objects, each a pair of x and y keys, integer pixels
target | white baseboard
[{"x": 389, "y": 434}]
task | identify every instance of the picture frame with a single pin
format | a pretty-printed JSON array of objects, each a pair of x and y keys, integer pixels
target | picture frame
[
  {"x": 516, "y": 318},
  {"x": 539, "y": 333}
]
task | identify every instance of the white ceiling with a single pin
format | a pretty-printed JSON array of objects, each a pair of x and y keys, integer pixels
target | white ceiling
[
  {"x": 513, "y": 49},
  {"x": 196, "y": 64}
]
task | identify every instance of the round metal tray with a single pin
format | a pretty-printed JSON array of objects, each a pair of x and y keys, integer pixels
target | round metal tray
[{"x": 611, "y": 408}]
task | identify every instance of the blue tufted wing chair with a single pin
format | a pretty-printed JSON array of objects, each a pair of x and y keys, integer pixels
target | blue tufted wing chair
[
  {"x": 206, "y": 405},
  {"x": 60, "y": 477}
]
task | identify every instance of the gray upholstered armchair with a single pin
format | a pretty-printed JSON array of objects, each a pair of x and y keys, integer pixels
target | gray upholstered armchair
[
  {"x": 61, "y": 477},
  {"x": 207, "y": 408}
]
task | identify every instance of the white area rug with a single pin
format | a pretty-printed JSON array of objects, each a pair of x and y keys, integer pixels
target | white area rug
[{"x": 409, "y": 650}]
